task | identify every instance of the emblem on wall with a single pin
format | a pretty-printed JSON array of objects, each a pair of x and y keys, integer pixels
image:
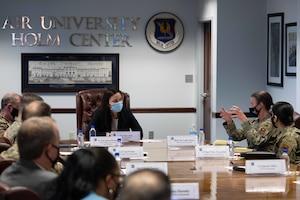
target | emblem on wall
[{"x": 164, "y": 32}]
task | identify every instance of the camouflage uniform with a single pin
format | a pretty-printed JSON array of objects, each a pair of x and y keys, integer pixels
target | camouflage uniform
[
  {"x": 290, "y": 140},
  {"x": 12, "y": 131},
  {"x": 4, "y": 124},
  {"x": 260, "y": 135}
]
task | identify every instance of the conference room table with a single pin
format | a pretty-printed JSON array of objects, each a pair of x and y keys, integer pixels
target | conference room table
[{"x": 215, "y": 177}]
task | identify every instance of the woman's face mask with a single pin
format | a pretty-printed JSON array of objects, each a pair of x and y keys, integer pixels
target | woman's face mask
[{"x": 117, "y": 107}]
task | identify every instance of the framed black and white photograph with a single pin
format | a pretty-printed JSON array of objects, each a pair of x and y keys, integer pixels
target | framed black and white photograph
[
  {"x": 46, "y": 72},
  {"x": 291, "y": 49},
  {"x": 275, "y": 49}
]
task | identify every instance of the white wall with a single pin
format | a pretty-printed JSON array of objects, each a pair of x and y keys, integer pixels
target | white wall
[{"x": 151, "y": 78}]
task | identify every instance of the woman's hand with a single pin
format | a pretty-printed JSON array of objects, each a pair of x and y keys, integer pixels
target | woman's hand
[
  {"x": 226, "y": 115},
  {"x": 237, "y": 112}
]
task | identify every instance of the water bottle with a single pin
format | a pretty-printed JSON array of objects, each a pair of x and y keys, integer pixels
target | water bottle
[
  {"x": 201, "y": 137},
  {"x": 118, "y": 159},
  {"x": 285, "y": 156},
  {"x": 119, "y": 142},
  {"x": 92, "y": 131},
  {"x": 193, "y": 130},
  {"x": 231, "y": 147},
  {"x": 80, "y": 139}
]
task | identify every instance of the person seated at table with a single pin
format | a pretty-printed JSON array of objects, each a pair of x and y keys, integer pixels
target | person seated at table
[
  {"x": 34, "y": 109},
  {"x": 89, "y": 174},
  {"x": 38, "y": 143},
  {"x": 146, "y": 184},
  {"x": 10, "y": 103},
  {"x": 112, "y": 116},
  {"x": 260, "y": 133},
  {"x": 12, "y": 131},
  {"x": 282, "y": 118}
]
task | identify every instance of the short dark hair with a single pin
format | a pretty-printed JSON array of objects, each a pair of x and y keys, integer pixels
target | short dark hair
[
  {"x": 138, "y": 187},
  {"x": 34, "y": 135},
  {"x": 284, "y": 112},
  {"x": 264, "y": 97}
]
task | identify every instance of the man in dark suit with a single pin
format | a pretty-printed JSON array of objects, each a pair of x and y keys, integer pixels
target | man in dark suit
[{"x": 38, "y": 143}]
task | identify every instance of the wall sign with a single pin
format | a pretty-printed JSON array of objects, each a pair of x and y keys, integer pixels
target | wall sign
[{"x": 164, "y": 32}]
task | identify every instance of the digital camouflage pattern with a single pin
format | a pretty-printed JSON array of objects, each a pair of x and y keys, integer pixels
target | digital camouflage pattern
[
  {"x": 290, "y": 140},
  {"x": 4, "y": 124},
  {"x": 260, "y": 135}
]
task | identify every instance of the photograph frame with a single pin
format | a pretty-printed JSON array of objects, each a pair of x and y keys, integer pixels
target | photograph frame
[
  {"x": 68, "y": 72},
  {"x": 291, "y": 49},
  {"x": 275, "y": 49}
]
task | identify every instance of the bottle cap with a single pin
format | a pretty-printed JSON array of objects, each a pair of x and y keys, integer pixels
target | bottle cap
[
  {"x": 201, "y": 129},
  {"x": 92, "y": 126},
  {"x": 230, "y": 138},
  {"x": 117, "y": 154},
  {"x": 79, "y": 131},
  {"x": 284, "y": 150}
]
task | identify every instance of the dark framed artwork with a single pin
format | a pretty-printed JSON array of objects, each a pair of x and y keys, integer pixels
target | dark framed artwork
[
  {"x": 275, "y": 49},
  {"x": 52, "y": 72},
  {"x": 291, "y": 49}
]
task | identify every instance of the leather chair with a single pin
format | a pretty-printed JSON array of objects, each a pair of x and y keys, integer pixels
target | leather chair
[
  {"x": 4, "y": 163},
  {"x": 5, "y": 140},
  {"x": 18, "y": 192},
  {"x": 87, "y": 101},
  {"x": 4, "y": 146},
  {"x": 297, "y": 119}
]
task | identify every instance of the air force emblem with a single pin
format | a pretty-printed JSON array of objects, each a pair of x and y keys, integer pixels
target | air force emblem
[{"x": 164, "y": 32}]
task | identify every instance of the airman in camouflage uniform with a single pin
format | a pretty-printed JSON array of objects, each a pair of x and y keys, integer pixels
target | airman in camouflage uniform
[
  {"x": 10, "y": 103},
  {"x": 290, "y": 137},
  {"x": 260, "y": 133}
]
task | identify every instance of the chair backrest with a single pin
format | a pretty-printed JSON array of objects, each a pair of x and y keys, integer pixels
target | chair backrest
[
  {"x": 4, "y": 163},
  {"x": 5, "y": 140},
  {"x": 297, "y": 119},
  {"x": 18, "y": 192},
  {"x": 4, "y": 146},
  {"x": 87, "y": 101}
]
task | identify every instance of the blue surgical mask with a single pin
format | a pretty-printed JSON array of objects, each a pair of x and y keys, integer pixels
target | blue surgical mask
[{"x": 117, "y": 107}]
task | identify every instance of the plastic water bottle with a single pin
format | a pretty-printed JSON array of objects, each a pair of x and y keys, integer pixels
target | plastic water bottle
[
  {"x": 80, "y": 139},
  {"x": 118, "y": 159},
  {"x": 231, "y": 146},
  {"x": 92, "y": 131},
  {"x": 193, "y": 130},
  {"x": 119, "y": 142},
  {"x": 201, "y": 137},
  {"x": 285, "y": 156}
]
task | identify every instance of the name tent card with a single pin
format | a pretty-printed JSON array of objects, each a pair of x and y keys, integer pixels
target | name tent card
[
  {"x": 267, "y": 166},
  {"x": 185, "y": 191},
  {"x": 265, "y": 184},
  {"x": 212, "y": 151},
  {"x": 128, "y": 136},
  {"x": 103, "y": 141},
  {"x": 128, "y": 152},
  {"x": 184, "y": 140},
  {"x": 133, "y": 166}
]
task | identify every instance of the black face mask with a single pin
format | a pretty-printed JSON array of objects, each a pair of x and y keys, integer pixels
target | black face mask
[
  {"x": 272, "y": 119},
  {"x": 116, "y": 193},
  {"x": 14, "y": 112},
  {"x": 254, "y": 111},
  {"x": 53, "y": 162}
]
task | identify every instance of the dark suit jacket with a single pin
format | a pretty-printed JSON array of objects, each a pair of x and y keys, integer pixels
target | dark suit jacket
[
  {"x": 126, "y": 121},
  {"x": 28, "y": 174}
]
